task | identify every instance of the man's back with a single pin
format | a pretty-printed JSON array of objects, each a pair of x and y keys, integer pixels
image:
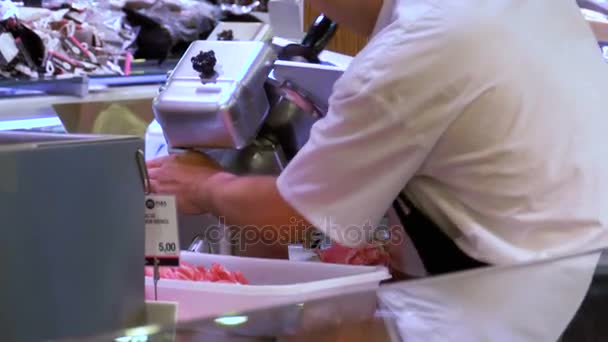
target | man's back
[
  {"x": 522, "y": 170},
  {"x": 487, "y": 112}
]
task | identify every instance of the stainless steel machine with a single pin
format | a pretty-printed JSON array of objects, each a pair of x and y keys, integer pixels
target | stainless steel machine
[
  {"x": 71, "y": 212},
  {"x": 260, "y": 96},
  {"x": 255, "y": 111}
]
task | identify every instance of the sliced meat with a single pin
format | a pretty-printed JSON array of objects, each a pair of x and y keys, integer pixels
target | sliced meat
[
  {"x": 216, "y": 273},
  {"x": 371, "y": 255}
]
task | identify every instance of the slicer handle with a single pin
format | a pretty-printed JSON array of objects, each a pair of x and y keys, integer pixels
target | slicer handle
[{"x": 319, "y": 33}]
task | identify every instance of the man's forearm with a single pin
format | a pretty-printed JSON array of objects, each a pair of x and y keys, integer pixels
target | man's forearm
[
  {"x": 254, "y": 201},
  {"x": 358, "y": 15}
]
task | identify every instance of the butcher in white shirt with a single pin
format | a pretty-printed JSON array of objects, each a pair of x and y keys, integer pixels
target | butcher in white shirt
[{"x": 481, "y": 122}]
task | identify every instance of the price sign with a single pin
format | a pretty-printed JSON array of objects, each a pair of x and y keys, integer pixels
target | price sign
[{"x": 162, "y": 239}]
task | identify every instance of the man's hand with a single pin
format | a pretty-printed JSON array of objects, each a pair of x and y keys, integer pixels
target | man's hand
[
  {"x": 185, "y": 176},
  {"x": 202, "y": 187}
]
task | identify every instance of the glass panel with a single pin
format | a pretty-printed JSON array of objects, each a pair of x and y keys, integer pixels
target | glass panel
[
  {"x": 115, "y": 118},
  {"x": 563, "y": 299},
  {"x": 533, "y": 302}
]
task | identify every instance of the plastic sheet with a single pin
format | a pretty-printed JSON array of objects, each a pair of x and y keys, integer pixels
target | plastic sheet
[
  {"x": 88, "y": 37},
  {"x": 112, "y": 28},
  {"x": 184, "y": 19},
  {"x": 82, "y": 38}
]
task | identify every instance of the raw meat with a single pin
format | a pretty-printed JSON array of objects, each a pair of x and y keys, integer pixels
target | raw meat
[
  {"x": 368, "y": 255},
  {"x": 217, "y": 273}
]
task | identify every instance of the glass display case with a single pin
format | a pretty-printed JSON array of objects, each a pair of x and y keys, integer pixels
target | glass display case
[{"x": 561, "y": 299}]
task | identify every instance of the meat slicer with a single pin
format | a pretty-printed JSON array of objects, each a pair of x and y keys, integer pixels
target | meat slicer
[{"x": 256, "y": 110}]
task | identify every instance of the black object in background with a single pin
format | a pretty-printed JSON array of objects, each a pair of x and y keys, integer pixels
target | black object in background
[
  {"x": 32, "y": 3},
  {"x": 438, "y": 252},
  {"x": 31, "y": 46},
  {"x": 226, "y": 35},
  {"x": 153, "y": 40},
  {"x": 244, "y": 18}
]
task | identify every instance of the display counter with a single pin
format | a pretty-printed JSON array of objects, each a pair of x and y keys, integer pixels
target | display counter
[
  {"x": 50, "y": 111},
  {"x": 102, "y": 104},
  {"x": 562, "y": 299}
]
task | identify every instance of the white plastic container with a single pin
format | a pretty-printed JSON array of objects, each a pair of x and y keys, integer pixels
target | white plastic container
[{"x": 272, "y": 282}]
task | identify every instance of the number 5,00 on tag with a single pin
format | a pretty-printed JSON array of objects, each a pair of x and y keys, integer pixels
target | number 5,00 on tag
[{"x": 162, "y": 239}]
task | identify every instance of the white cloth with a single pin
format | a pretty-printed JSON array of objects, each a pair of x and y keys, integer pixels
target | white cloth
[{"x": 490, "y": 114}]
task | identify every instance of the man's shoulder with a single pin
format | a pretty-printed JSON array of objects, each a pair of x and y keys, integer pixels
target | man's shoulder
[
  {"x": 416, "y": 42},
  {"x": 435, "y": 28},
  {"x": 441, "y": 36}
]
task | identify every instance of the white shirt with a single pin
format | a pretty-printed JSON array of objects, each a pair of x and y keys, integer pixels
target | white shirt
[{"x": 490, "y": 114}]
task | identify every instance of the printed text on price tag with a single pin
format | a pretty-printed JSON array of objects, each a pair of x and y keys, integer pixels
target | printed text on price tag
[{"x": 162, "y": 239}]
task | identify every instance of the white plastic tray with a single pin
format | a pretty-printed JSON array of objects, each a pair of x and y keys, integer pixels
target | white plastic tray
[{"x": 272, "y": 282}]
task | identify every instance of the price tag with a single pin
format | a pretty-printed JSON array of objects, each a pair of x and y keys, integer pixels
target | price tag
[{"x": 162, "y": 239}]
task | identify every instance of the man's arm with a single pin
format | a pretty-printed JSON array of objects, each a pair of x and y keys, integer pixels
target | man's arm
[
  {"x": 201, "y": 186},
  {"x": 253, "y": 200},
  {"x": 357, "y": 15}
]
